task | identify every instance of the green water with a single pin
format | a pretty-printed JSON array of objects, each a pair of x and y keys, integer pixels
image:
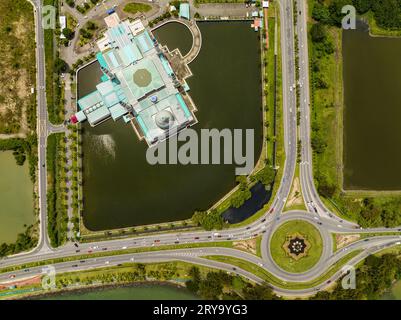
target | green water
[
  {"x": 143, "y": 292},
  {"x": 394, "y": 293},
  {"x": 121, "y": 189},
  {"x": 168, "y": 35},
  {"x": 16, "y": 198},
  {"x": 372, "y": 115}
]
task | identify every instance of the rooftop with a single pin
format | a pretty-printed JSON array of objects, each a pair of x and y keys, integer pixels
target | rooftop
[{"x": 138, "y": 84}]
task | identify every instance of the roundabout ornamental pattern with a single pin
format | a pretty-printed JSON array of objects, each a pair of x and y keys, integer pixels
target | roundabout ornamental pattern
[
  {"x": 142, "y": 78},
  {"x": 296, "y": 246}
]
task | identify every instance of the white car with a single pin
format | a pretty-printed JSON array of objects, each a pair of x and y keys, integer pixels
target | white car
[{"x": 124, "y": 247}]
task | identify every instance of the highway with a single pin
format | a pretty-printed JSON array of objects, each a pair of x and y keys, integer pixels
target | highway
[{"x": 325, "y": 221}]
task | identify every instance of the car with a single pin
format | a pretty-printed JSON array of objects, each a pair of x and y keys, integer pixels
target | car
[
  {"x": 339, "y": 225},
  {"x": 107, "y": 262},
  {"x": 228, "y": 238},
  {"x": 196, "y": 238},
  {"x": 89, "y": 251},
  {"x": 263, "y": 220},
  {"x": 319, "y": 223},
  {"x": 328, "y": 281},
  {"x": 216, "y": 234},
  {"x": 271, "y": 210},
  {"x": 234, "y": 268},
  {"x": 119, "y": 265},
  {"x": 366, "y": 240},
  {"x": 176, "y": 242},
  {"x": 74, "y": 265},
  {"x": 260, "y": 264},
  {"x": 209, "y": 237},
  {"x": 26, "y": 270},
  {"x": 316, "y": 218},
  {"x": 76, "y": 244},
  {"x": 247, "y": 228},
  {"x": 255, "y": 235},
  {"x": 124, "y": 247},
  {"x": 77, "y": 251},
  {"x": 132, "y": 259},
  {"x": 12, "y": 276},
  {"x": 104, "y": 249},
  {"x": 157, "y": 241},
  {"x": 82, "y": 261}
]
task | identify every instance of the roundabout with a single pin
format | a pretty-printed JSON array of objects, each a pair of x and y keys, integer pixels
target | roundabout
[{"x": 296, "y": 246}]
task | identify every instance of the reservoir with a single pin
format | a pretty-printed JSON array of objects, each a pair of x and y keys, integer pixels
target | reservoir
[
  {"x": 372, "y": 114},
  {"x": 121, "y": 189},
  {"x": 16, "y": 198}
]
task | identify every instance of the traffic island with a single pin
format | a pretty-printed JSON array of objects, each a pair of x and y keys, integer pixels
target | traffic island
[{"x": 296, "y": 246}]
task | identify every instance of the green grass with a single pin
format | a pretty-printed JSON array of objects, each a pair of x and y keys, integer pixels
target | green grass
[
  {"x": 281, "y": 257},
  {"x": 56, "y": 203},
  {"x": 134, "y": 7},
  {"x": 375, "y": 30},
  {"x": 18, "y": 67},
  {"x": 53, "y": 91}
]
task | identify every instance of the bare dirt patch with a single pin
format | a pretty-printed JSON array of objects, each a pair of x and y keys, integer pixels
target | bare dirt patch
[
  {"x": 295, "y": 197},
  {"x": 344, "y": 239},
  {"x": 17, "y": 65},
  {"x": 246, "y": 245}
]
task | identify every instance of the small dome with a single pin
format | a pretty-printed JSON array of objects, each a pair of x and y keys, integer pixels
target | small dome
[{"x": 164, "y": 119}]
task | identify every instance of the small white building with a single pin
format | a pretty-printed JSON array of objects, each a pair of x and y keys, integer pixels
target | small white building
[{"x": 63, "y": 25}]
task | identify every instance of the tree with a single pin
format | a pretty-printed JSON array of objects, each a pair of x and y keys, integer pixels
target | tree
[
  {"x": 68, "y": 33},
  {"x": 318, "y": 32},
  {"x": 60, "y": 65},
  {"x": 208, "y": 221}
]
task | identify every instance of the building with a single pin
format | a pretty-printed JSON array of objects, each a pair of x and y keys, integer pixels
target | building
[
  {"x": 138, "y": 84},
  {"x": 184, "y": 11},
  {"x": 63, "y": 25}
]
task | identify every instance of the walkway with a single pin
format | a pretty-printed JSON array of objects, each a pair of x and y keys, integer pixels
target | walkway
[{"x": 196, "y": 37}]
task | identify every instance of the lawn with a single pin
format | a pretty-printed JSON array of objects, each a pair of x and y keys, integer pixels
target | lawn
[
  {"x": 17, "y": 65},
  {"x": 134, "y": 7},
  {"x": 280, "y": 256}
]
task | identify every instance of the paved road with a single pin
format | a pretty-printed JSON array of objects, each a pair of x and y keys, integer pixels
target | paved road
[
  {"x": 42, "y": 127},
  {"x": 325, "y": 221}
]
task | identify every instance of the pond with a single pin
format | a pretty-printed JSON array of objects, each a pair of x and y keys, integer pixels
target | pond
[
  {"x": 372, "y": 114},
  {"x": 16, "y": 198},
  {"x": 121, "y": 189}
]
